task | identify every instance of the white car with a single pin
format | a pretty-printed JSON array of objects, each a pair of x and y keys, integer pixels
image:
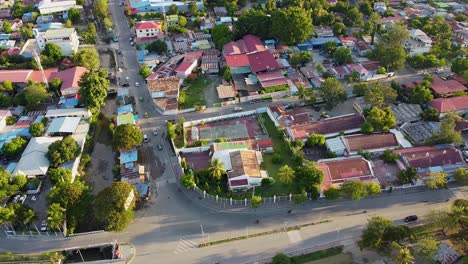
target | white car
[
  {"x": 155, "y": 133},
  {"x": 137, "y": 84},
  {"x": 145, "y": 138},
  {"x": 440, "y": 70},
  {"x": 15, "y": 199},
  {"x": 44, "y": 225}
]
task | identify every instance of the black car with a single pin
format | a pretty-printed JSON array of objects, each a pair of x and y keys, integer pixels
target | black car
[{"x": 411, "y": 218}]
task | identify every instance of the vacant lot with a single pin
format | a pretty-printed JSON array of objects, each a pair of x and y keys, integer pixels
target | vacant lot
[{"x": 193, "y": 95}]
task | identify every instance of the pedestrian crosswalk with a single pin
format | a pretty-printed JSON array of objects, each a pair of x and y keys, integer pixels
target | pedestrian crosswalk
[{"x": 185, "y": 245}]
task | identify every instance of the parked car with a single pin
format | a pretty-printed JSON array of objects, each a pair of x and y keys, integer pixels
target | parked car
[
  {"x": 145, "y": 138},
  {"x": 440, "y": 70},
  {"x": 146, "y": 115},
  {"x": 155, "y": 133},
  {"x": 44, "y": 225},
  {"x": 160, "y": 147},
  {"x": 411, "y": 218},
  {"x": 237, "y": 109},
  {"x": 137, "y": 84}
]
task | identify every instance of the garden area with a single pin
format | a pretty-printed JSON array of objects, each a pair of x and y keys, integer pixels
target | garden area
[{"x": 193, "y": 95}]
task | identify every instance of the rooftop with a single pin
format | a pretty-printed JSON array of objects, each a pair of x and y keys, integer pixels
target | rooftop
[
  {"x": 444, "y": 105},
  {"x": 339, "y": 170},
  {"x": 245, "y": 162},
  {"x": 262, "y": 61},
  {"x": 147, "y": 25},
  {"x": 442, "y": 87},
  {"x": 58, "y": 33},
  {"x": 247, "y": 44},
  {"x": 225, "y": 91},
  {"x": 33, "y": 160},
  {"x": 425, "y": 157},
  {"x": 64, "y": 125},
  {"x": 367, "y": 142},
  {"x": 70, "y": 77}
]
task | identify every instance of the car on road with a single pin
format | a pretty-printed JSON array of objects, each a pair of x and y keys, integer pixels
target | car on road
[
  {"x": 237, "y": 109},
  {"x": 131, "y": 43},
  {"x": 145, "y": 138},
  {"x": 137, "y": 84},
  {"x": 411, "y": 218},
  {"x": 155, "y": 133},
  {"x": 44, "y": 225},
  {"x": 146, "y": 115},
  {"x": 440, "y": 70},
  {"x": 141, "y": 99},
  {"x": 160, "y": 147}
]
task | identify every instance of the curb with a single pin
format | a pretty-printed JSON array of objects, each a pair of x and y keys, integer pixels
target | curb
[{"x": 132, "y": 256}]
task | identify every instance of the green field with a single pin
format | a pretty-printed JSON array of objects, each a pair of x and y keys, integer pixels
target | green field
[{"x": 193, "y": 95}]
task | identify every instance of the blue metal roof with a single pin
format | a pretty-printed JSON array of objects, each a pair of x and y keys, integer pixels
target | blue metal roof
[
  {"x": 141, "y": 56},
  {"x": 321, "y": 41},
  {"x": 11, "y": 167},
  {"x": 142, "y": 189},
  {"x": 128, "y": 156},
  {"x": 124, "y": 109}
]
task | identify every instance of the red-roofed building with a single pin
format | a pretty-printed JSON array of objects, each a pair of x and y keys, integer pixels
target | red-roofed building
[
  {"x": 270, "y": 79},
  {"x": 265, "y": 145},
  {"x": 23, "y": 76},
  {"x": 338, "y": 170},
  {"x": 239, "y": 64},
  {"x": 262, "y": 61},
  {"x": 456, "y": 104},
  {"x": 147, "y": 29},
  {"x": 429, "y": 159},
  {"x": 444, "y": 88},
  {"x": 248, "y": 44},
  {"x": 70, "y": 79},
  {"x": 282, "y": 117}
]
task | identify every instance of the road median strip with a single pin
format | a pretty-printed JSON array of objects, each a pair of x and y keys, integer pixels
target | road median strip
[{"x": 271, "y": 232}]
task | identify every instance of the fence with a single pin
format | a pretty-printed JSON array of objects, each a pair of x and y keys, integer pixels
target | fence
[
  {"x": 219, "y": 118},
  {"x": 273, "y": 95}
]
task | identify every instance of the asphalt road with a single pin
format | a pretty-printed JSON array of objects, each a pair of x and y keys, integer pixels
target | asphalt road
[{"x": 168, "y": 231}]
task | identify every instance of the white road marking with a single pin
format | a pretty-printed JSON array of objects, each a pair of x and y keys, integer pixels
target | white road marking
[
  {"x": 294, "y": 236},
  {"x": 185, "y": 246}
]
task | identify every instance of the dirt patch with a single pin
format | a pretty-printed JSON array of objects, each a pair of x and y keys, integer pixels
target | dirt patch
[
  {"x": 100, "y": 171},
  {"x": 358, "y": 256}
]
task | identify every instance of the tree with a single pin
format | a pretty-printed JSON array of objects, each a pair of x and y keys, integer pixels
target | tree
[
  {"x": 112, "y": 208},
  {"x": 52, "y": 51},
  {"x": 381, "y": 119},
  {"x": 306, "y": 95},
  {"x": 253, "y": 21},
  {"x": 291, "y": 25},
  {"x": 182, "y": 21},
  {"x": 460, "y": 65},
  {"x": 57, "y": 175},
  {"x": 126, "y": 137},
  {"x": 14, "y": 147},
  {"x": 366, "y": 8},
  {"x": 68, "y": 24},
  {"x": 342, "y": 55},
  {"x": 256, "y": 201},
  {"x": 397, "y": 34},
  {"x": 420, "y": 95},
  {"x": 389, "y": 157},
  {"x": 26, "y": 31},
  {"x": 300, "y": 58},
  {"x": 332, "y": 193},
  {"x": 87, "y": 57},
  {"x": 158, "y": 46},
  {"x": 221, "y": 35},
  {"x": 430, "y": 114},
  {"x": 404, "y": 256},
  {"x": 7, "y": 86},
  {"x": 93, "y": 88},
  {"x": 281, "y": 259},
  {"x": 36, "y": 129},
  {"x": 308, "y": 177},
  {"x": 216, "y": 170},
  {"x": 331, "y": 91},
  {"x": 173, "y": 10},
  {"x": 193, "y": 8},
  {"x": 101, "y": 9},
  {"x": 227, "y": 75},
  {"x": 360, "y": 89},
  {"x": 36, "y": 93},
  {"x": 188, "y": 180},
  {"x": 437, "y": 180},
  {"x": 447, "y": 133},
  {"x": 171, "y": 130},
  {"x": 107, "y": 23},
  {"x": 339, "y": 28},
  {"x": 286, "y": 174},
  {"x": 7, "y": 215},
  {"x": 353, "y": 17},
  {"x": 373, "y": 188},
  {"x": 90, "y": 34},
  {"x": 392, "y": 58},
  {"x": 379, "y": 94},
  {"x": 354, "y": 189},
  {"x": 56, "y": 216},
  {"x": 62, "y": 151},
  {"x": 372, "y": 236},
  {"x": 461, "y": 175},
  {"x": 428, "y": 247},
  {"x": 330, "y": 47},
  {"x": 23, "y": 214},
  {"x": 7, "y": 27},
  {"x": 408, "y": 175},
  {"x": 10, "y": 185},
  {"x": 55, "y": 84},
  {"x": 315, "y": 140},
  {"x": 145, "y": 71},
  {"x": 74, "y": 15}
]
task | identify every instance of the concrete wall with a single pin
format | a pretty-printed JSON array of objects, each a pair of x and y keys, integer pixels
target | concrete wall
[
  {"x": 194, "y": 149},
  {"x": 259, "y": 96},
  {"x": 218, "y": 118}
]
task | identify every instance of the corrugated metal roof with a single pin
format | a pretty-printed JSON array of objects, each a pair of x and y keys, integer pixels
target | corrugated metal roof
[{"x": 64, "y": 125}]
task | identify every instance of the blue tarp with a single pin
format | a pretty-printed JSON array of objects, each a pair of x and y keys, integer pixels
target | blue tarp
[
  {"x": 142, "y": 189},
  {"x": 141, "y": 56},
  {"x": 124, "y": 109},
  {"x": 70, "y": 103},
  {"x": 128, "y": 156}
]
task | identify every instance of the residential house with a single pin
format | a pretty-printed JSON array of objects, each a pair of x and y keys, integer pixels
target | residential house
[
  {"x": 22, "y": 77},
  {"x": 128, "y": 158},
  {"x": 380, "y": 7},
  {"x": 418, "y": 42},
  {"x": 285, "y": 118},
  {"x": 323, "y": 32},
  {"x": 79, "y": 112},
  {"x": 63, "y": 126},
  {"x": 406, "y": 112},
  {"x": 226, "y": 92},
  {"x": 220, "y": 11},
  {"x": 47, "y": 7},
  {"x": 147, "y": 29},
  {"x": 239, "y": 64},
  {"x": 330, "y": 127},
  {"x": 262, "y": 61},
  {"x": 343, "y": 71},
  {"x": 189, "y": 63},
  {"x": 338, "y": 170},
  {"x": 446, "y": 88},
  {"x": 70, "y": 79},
  {"x": 270, "y": 79},
  {"x": 165, "y": 93},
  {"x": 362, "y": 48},
  {"x": 349, "y": 42},
  {"x": 210, "y": 62},
  {"x": 206, "y": 23},
  {"x": 66, "y": 39},
  {"x": 172, "y": 20},
  {"x": 246, "y": 45},
  {"x": 429, "y": 159},
  {"x": 453, "y": 104}
]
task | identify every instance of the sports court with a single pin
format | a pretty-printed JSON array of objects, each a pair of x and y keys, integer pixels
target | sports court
[{"x": 234, "y": 129}]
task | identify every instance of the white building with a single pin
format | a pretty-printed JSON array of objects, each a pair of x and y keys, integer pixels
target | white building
[
  {"x": 65, "y": 38},
  {"x": 380, "y": 7},
  {"x": 34, "y": 161},
  {"x": 147, "y": 29},
  {"x": 53, "y": 6},
  {"x": 418, "y": 42}
]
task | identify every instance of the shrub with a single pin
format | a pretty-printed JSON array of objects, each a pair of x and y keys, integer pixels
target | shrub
[
  {"x": 267, "y": 182},
  {"x": 300, "y": 198},
  {"x": 188, "y": 181},
  {"x": 389, "y": 157},
  {"x": 281, "y": 259},
  {"x": 332, "y": 193},
  {"x": 256, "y": 201},
  {"x": 277, "y": 158},
  {"x": 10, "y": 120}
]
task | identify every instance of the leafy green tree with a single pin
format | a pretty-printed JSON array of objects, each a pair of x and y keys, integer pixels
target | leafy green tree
[
  {"x": 428, "y": 247},
  {"x": 26, "y": 31},
  {"x": 111, "y": 209},
  {"x": 308, "y": 177},
  {"x": 107, "y": 23},
  {"x": 291, "y": 25},
  {"x": 372, "y": 236},
  {"x": 332, "y": 93},
  {"x": 300, "y": 58},
  {"x": 315, "y": 140},
  {"x": 23, "y": 213},
  {"x": 56, "y": 216},
  {"x": 221, "y": 35},
  {"x": 182, "y": 21},
  {"x": 227, "y": 75},
  {"x": 52, "y": 51},
  {"x": 373, "y": 188},
  {"x": 6, "y": 27},
  {"x": 381, "y": 119},
  {"x": 306, "y": 95},
  {"x": 354, "y": 189},
  {"x": 339, "y": 28},
  {"x": 437, "y": 180},
  {"x": 392, "y": 58},
  {"x": 397, "y": 35},
  {"x": 171, "y": 130},
  {"x": 57, "y": 175},
  {"x": 389, "y": 157},
  {"x": 55, "y": 84},
  {"x": 93, "y": 88},
  {"x": 10, "y": 185},
  {"x": 366, "y": 8},
  {"x": 353, "y": 17},
  {"x": 193, "y": 8},
  {"x": 447, "y": 133},
  {"x": 36, "y": 93},
  {"x": 460, "y": 65},
  {"x": 74, "y": 15},
  {"x": 332, "y": 193},
  {"x": 430, "y": 114},
  {"x": 145, "y": 71},
  {"x": 461, "y": 175},
  {"x": 90, "y": 34},
  {"x": 407, "y": 175},
  {"x": 87, "y": 57},
  {"x": 62, "y": 151},
  {"x": 188, "y": 180},
  {"x": 404, "y": 256},
  {"x": 281, "y": 259},
  {"x": 101, "y": 9},
  {"x": 330, "y": 47},
  {"x": 158, "y": 46},
  {"x": 253, "y": 21},
  {"x": 379, "y": 94},
  {"x": 14, "y": 147},
  {"x": 173, "y": 10},
  {"x": 36, "y": 129},
  {"x": 7, "y": 215},
  {"x": 126, "y": 137},
  {"x": 216, "y": 169},
  {"x": 7, "y": 86},
  {"x": 256, "y": 201},
  {"x": 286, "y": 174},
  {"x": 360, "y": 89},
  {"x": 342, "y": 55},
  {"x": 420, "y": 95}
]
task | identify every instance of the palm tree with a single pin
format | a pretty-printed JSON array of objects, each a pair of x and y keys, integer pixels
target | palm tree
[
  {"x": 286, "y": 174},
  {"x": 6, "y": 215},
  {"x": 56, "y": 216},
  {"x": 29, "y": 216},
  {"x": 404, "y": 256},
  {"x": 216, "y": 169},
  {"x": 301, "y": 93},
  {"x": 307, "y": 96}
]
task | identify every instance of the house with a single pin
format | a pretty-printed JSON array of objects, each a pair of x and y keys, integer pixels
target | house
[
  {"x": 454, "y": 104},
  {"x": 362, "y": 48},
  {"x": 262, "y": 61},
  {"x": 22, "y": 77},
  {"x": 380, "y": 7},
  {"x": 133, "y": 175},
  {"x": 446, "y": 88},
  {"x": 446, "y": 254},
  {"x": 285, "y": 118},
  {"x": 406, "y": 112},
  {"x": 210, "y": 62},
  {"x": 338, "y": 170},
  {"x": 343, "y": 71},
  {"x": 429, "y": 159},
  {"x": 349, "y": 42},
  {"x": 127, "y": 158},
  {"x": 317, "y": 43},
  {"x": 246, "y": 45},
  {"x": 220, "y": 11},
  {"x": 189, "y": 63},
  {"x": 206, "y": 23},
  {"x": 172, "y": 20},
  {"x": 226, "y": 92},
  {"x": 323, "y": 32},
  {"x": 270, "y": 79},
  {"x": 63, "y": 126},
  {"x": 165, "y": 93},
  {"x": 79, "y": 112},
  {"x": 418, "y": 42},
  {"x": 66, "y": 39},
  {"x": 147, "y": 29},
  {"x": 33, "y": 161},
  {"x": 70, "y": 79},
  {"x": 329, "y": 127},
  {"x": 47, "y": 7},
  {"x": 239, "y": 64}
]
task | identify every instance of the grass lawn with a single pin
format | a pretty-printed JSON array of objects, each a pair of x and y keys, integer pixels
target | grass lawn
[
  {"x": 319, "y": 255},
  {"x": 193, "y": 95},
  {"x": 280, "y": 147}
]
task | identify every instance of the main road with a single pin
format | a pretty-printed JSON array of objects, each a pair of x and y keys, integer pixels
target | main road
[{"x": 169, "y": 230}]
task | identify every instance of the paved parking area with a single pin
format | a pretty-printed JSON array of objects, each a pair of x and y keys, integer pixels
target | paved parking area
[
  {"x": 197, "y": 161},
  {"x": 40, "y": 205},
  {"x": 386, "y": 173}
]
